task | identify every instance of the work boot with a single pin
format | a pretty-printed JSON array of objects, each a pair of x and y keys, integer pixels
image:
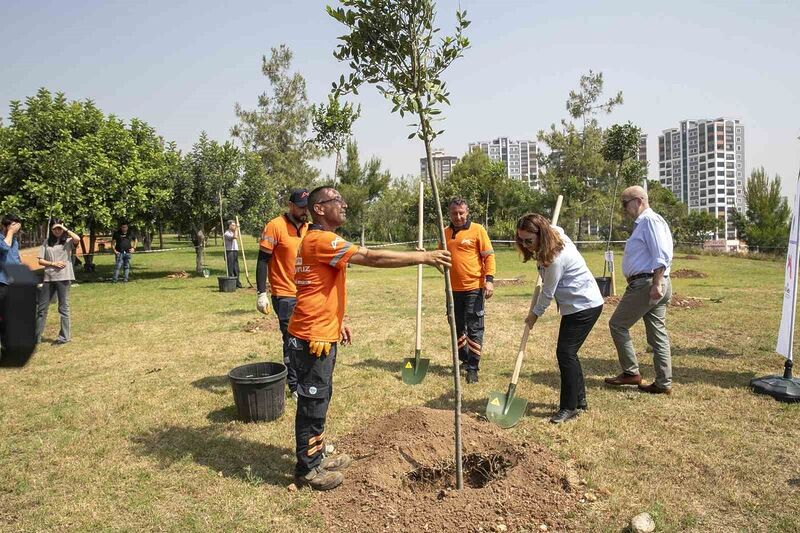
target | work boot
[
  {"x": 563, "y": 415},
  {"x": 334, "y": 464},
  {"x": 472, "y": 376},
  {"x": 319, "y": 479}
]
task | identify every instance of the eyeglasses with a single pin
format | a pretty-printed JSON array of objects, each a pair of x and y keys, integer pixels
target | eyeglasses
[
  {"x": 338, "y": 199},
  {"x": 625, "y": 202},
  {"x": 527, "y": 242}
]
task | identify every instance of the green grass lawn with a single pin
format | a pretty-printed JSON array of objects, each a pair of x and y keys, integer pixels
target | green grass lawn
[{"x": 131, "y": 426}]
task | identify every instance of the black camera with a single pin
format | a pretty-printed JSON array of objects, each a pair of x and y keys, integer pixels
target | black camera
[{"x": 17, "y": 316}]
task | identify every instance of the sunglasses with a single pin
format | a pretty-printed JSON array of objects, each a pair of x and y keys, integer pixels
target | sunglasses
[
  {"x": 625, "y": 202},
  {"x": 338, "y": 199},
  {"x": 527, "y": 242}
]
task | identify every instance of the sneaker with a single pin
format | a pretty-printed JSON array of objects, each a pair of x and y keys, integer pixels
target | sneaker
[
  {"x": 334, "y": 464},
  {"x": 563, "y": 415},
  {"x": 472, "y": 376},
  {"x": 319, "y": 479},
  {"x": 59, "y": 342}
]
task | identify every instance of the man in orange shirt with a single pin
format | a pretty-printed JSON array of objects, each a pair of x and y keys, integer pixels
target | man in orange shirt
[
  {"x": 276, "y": 256},
  {"x": 472, "y": 277},
  {"x": 317, "y": 326}
]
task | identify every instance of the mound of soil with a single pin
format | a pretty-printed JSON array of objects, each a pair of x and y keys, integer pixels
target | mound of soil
[
  {"x": 681, "y": 302},
  {"x": 508, "y": 282},
  {"x": 403, "y": 479},
  {"x": 687, "y": 273},
  {"x": 178, "y": 275},
  {"x": 260, "y": 323}
]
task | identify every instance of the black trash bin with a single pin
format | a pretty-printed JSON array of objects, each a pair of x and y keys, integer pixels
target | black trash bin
[
  {"x": 605, "y": 286},
  {"x": 227, "y": 283},
  {"x": 258, "y": 391}
]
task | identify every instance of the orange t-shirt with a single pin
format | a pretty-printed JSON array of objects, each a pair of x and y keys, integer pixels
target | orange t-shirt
[
  {"x": 320, "y": 274},
  {"x": 472, "y": 255},
  {"x": 281, "y": 238}
]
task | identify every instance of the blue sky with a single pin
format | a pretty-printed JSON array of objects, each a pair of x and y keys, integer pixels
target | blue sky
[{"x": 182, "y": 65}]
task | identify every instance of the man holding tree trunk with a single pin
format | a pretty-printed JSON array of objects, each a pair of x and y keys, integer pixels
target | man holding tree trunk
[{"x": 316, "y": 327}]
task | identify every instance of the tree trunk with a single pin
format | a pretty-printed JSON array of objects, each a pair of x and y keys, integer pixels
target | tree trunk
[
  {"x": 336, "y": 166},
  {"x": 451, "y": 316},
  {"x": 147, "y": 240},
  {"x": 363, "y": 235},
  {"x": 160, "y": 237}
]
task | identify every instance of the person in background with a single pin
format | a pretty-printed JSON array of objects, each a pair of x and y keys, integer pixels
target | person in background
[
  {"x": 9, "y": 250},
  {"x": 567, "y": 280},
  {"x": 56, "y": 256},
  {"x": 232, "y": 251},
  {"x": 472, "y": 277},
  {"x": 277, "y": 254},
  {"x": 123, "y": 242}
]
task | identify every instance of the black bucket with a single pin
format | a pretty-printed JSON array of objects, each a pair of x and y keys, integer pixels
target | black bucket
[
  {"x": 605, "y": 286},
  {"x": 227, "y": 283},
  {"x": 258, "y": 391}
]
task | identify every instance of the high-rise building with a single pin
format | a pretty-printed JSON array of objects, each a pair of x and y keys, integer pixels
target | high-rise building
[
  {"x": 702, "y": 163},
  {"x": 519, "y": 157},
  {"x": 442, "y": 164},
  {"x": 641, "y": 154}
]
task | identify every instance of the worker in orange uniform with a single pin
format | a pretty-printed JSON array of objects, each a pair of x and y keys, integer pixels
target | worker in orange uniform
[
  {"x": 317, "y": 326},
  {"x": 472, "y": 278},
  {"x": 276, "y": 256}
]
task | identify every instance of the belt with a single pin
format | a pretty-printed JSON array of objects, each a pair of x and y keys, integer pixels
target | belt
[{"x": 641, "y": 275}]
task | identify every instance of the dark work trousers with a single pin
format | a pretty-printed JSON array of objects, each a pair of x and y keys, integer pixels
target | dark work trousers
[
  {"x": 469, "y": 326},
  {"x": 314, "y": 391},
  {"x": 572, "y": 333},
  {"x": 232, "y": 257},
  {"x": 284, "y": 307}
]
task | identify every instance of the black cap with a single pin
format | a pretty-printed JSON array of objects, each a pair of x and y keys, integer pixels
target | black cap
[{"x": 299, "y": 197}]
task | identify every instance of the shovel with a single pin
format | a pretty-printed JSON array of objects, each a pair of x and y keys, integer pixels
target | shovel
[
  {"x": 506, "y": 410},
  {"x": 414, "y": 370}
]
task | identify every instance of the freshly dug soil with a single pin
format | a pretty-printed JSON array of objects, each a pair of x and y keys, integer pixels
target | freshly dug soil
[
  {"x": 259, "y": 324},
  {"x": 681, "y": 302},
  {"x": 687, "y": 273},
  {"x": 403, "y": 479},
  {"x": 508, "y": 282}
]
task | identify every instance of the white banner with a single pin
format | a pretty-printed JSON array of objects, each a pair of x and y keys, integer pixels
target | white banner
[{"x": 786, "y": 331}]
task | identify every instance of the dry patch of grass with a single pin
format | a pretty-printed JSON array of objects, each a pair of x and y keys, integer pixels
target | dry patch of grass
[{"x": 132, "y": 425}]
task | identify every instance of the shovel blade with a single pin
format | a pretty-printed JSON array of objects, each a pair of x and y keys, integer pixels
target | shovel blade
[
  {"x": 505, "y": 411},
  {"x": 414, "y": 370}
]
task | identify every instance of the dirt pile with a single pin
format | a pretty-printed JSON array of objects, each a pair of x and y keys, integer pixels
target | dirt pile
[
  {"x": 687, "y": 273},
  {"x": 403, "y": 479},
  {"x": 508, "y": 282},
  {"x": 679, "y": 301},
  {"x": 260, "y": 324}
]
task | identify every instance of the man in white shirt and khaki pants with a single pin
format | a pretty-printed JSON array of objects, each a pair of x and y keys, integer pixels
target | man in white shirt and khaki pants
[{"x": 646, "y": 265}]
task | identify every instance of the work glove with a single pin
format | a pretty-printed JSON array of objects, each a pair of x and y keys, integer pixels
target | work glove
[
  {"x": 262, "y": 303},
  {"x": 319, "y": 348}
]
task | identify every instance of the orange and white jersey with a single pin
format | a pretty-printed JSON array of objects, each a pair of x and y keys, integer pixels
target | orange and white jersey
[
  {"x": 281, "y": 238},
  {"x": 472, "y": 256}
]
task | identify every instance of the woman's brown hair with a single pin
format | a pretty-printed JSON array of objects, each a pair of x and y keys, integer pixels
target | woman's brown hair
[{"x": 550, "y": 243}]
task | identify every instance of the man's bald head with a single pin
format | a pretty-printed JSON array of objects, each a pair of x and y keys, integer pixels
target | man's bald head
[{"x": 634, "y": 201}]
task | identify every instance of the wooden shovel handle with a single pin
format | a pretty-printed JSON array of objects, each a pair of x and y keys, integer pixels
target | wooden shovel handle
[
  {"x": 526, "y": 330},
  {"x": 420, "y": 237}
]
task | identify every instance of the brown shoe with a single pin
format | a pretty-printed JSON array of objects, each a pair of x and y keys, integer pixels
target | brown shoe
[
  {"x": 319, "y": 479},
  {"x": 336, "y": 463},
  {"x": 655, "y": 389},
  {"x": 624, "y": 379}
]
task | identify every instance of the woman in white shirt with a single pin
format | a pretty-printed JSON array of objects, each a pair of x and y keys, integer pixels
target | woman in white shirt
[
  {"x": 567, "y": 280},
  {"x": 232, "y": 251}
]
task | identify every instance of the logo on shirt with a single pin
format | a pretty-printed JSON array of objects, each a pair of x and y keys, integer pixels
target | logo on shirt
[
  {"x": 468, "y": 242},
  {"x": 335, "y": 242}
]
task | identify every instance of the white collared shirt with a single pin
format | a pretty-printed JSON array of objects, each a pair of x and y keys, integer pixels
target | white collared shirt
[{"x": 649, "y": 246}]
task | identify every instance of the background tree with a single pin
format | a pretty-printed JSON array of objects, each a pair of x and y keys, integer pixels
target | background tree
[
  {"x": 209, "y": 170},
  {"x": 766, "y": 222},
  {"x": 391, "y": 44},
  {"x": 392, "y": 217},
  {"x": 333, "y": 124},
  {"x": 277, "y": 130},
  {"x": 575, "y": 166},
  {"x": 362, "y": 186}
]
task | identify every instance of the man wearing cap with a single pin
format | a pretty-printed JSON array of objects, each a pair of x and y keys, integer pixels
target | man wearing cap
[
  {"x": 646, "y": 264},
  {"x": 472, "y": 277},
  {"x": 317, "y": 326},
  {"x": 276, "y": 256}
]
